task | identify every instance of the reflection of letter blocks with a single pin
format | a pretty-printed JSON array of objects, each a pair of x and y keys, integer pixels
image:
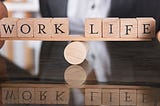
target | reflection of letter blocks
[
  {"x": 10, "y": 95},
  {"x": 111, "y": 28},
  {"x": 60, "y": 27},
  {"x": 110, "y": 97},
  {"x": 128, "y": 97},
  {"x": 145, "y": 98},
  {"x": 25, "y": 27},
  {"x": 41, "y": 96},
  {"x": 128, "y": 27},
  {"x": 92, "y": 97},
  {"x": 146, "y": 27},
  {"x": 59, "y": 95},
  {"x": 9, "y": 27},
  {"x": 26, "y": 96},
  {"x": 42, "y": 27},
  {"x": 93, "y": 28}
]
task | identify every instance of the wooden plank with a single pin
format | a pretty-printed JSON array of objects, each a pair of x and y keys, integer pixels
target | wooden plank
[
  {"x": 76, "y": 38},
  {"x": 128, "y": 97},
  {"x": 92, "y": 97},
  {"x": 111, "y": 28},
  {"x": 110, "y": 97},
  {"x": 128, "y": 27},
  {"x": 8, "y": 27},
  {"x": 93, "y": 28},
  {"x": 25, "y": 27},
  {"x": 146, "y": 27}
]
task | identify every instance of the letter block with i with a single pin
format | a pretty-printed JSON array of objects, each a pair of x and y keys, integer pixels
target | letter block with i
[
  {"x": 146, "y": 28},
  {"x": 111, "y": 28},
  {"x": 93, "y": 28},
  {"x": 128, "y": 28},
  {"x": 110, "y": 97},
  {"x": 8, "y": 27}
]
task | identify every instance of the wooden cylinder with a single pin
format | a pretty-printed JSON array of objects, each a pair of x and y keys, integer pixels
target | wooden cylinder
[
  {"x": 3, "y": 13},
  {"x": 76, "y": 75},
  {"x": 158, "y": 36},
  {"x": 76, "y": 52}
]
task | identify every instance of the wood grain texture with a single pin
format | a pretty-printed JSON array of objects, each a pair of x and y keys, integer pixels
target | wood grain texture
[
  {"x": 93, "y": 27},
  {"x": 9, "y": 27},
  {"x": 76, "y": 52},
  {"x": 128, "y": 27},
  {"x": 25, "y": 27},
  {"x": 146, "y": 27},
  {"x": 111, "y": 28}
]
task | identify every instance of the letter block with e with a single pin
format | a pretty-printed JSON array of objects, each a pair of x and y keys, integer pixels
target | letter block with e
[
  {"x": 128, "y": 97},
  {"x": 10, "y": 95}
]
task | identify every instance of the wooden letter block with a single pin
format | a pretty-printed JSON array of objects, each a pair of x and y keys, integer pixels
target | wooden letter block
[
  {"x": 8, "y": 27},
  {"x": 93, "y": 28},
  {"x": 92, "y": 97},
  {"x": 146, "y": 27},
  {"x": 145, "y": 98},
  {"x": 42, "y": 96},
  {"x": 111, "y": 28},
  {"x": 26, "y": 96},
  {"x": 128, "y": 97},
  {"x": 110, "y": 97},
  {"x": 10, "y": 95},
  {"x": 25, "y": 27},
  {"x": 59, "y": 95},
  {"x": 128, "y": 27},
  {"x": 42, "y": 27},
  {"x": 60, "y": 27}
]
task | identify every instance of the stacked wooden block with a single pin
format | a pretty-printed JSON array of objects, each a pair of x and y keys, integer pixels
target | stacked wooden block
[
  {"x": 107, "y": 29},
  {"x": 108, "y": 95}
]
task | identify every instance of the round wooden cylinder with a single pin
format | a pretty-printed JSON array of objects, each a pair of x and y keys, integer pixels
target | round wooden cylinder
[
  {"x": 76, "y": 75},
  {"x": 76, "y": 52},
  {"x": 158, "y": 36}
]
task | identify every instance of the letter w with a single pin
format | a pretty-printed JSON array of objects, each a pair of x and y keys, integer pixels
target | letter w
[{"x": 8, "y": 28}]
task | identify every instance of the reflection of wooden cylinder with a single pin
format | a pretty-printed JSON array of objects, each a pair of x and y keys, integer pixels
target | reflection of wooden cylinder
[
  {"x": 158, "y": 36},
  {"x": 76, "y": 52},
  {"x": 76, "y": 75}
]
